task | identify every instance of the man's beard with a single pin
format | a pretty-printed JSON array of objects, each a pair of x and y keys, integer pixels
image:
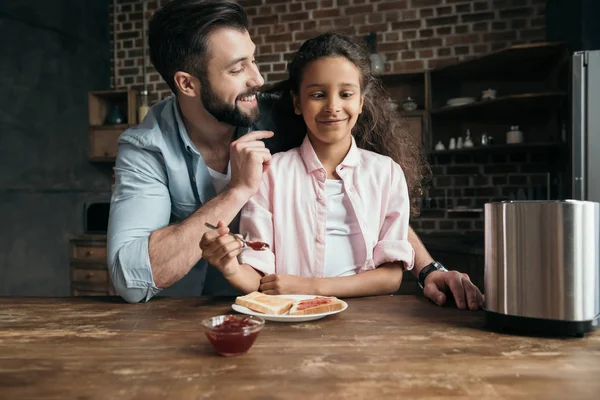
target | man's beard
[{"x": 224, "y": 112}]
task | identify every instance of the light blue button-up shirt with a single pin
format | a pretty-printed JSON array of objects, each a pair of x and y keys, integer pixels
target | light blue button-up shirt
[{"x": 160, "y": 177}]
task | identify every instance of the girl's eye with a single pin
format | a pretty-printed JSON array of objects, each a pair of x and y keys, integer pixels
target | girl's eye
[
  {"x": 317, "y": 95},
  {"x": 347, "y": 94}
]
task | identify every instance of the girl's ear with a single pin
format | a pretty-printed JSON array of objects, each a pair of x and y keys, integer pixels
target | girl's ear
[
  {"x": 362, "y": 101},
  {"x": 296, "y": 102}
]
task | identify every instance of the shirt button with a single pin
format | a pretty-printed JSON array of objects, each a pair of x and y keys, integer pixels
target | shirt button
[
  {"x": 194, "y": 179},
  {"x": 319, "y": 238}
]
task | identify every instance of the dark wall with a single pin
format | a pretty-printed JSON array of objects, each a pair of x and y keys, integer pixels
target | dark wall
[
  {"x": 51, "y": 54},
  {"x": 574, "y": 21}
]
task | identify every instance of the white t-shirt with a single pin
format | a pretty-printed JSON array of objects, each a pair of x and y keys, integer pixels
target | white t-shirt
[
  {"x": 343, "y": 237},
  {"x": 220, "y": 180}
]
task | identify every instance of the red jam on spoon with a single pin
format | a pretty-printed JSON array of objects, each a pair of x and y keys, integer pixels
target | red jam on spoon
[{"x": 258, "y": 246}]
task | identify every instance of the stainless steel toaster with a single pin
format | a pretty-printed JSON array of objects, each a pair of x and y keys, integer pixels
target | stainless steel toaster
[{"x": 542, "y": 266}]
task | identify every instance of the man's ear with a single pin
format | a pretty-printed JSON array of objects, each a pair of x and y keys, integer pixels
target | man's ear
[
  {"x": 296, "y": 102},
  {"x": 186, "y": 84}
]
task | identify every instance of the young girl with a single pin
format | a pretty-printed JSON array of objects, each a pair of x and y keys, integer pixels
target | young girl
[{"x": 334, "y": 215}]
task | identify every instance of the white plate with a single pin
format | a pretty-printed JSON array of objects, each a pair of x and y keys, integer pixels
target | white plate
[
  {"x": 285, "y": 317},
  {"x": 460, "y": 101}
]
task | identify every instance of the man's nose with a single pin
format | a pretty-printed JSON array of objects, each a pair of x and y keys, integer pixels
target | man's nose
[{"x": 256, "y": 79}]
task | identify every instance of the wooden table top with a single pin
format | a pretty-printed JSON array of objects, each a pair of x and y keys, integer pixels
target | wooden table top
[{"x": 387, "y": 347}]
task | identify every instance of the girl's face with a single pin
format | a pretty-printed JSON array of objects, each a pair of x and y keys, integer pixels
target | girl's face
[{"x": 330, "y": 100}]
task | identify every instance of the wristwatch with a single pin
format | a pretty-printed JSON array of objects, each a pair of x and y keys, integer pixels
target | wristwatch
[{"x": 434, "y": 266}]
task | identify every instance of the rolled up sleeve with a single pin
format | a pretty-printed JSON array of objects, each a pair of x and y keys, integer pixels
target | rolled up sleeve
[
  {"x": 393, "y": 244},
  {"x": 140, "y": 204},
  {"x": 256, "y": 223}
]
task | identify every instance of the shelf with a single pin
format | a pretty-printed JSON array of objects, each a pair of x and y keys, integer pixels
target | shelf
[
  {"x": 122, "y": 127},
  {"x": 498, "y": 147},
  {"x": 465, "y": 210},
  {"x": 516, "y": 103},
  {"x": 416, "y": 113},
  {"x": 519, "y": 62}
]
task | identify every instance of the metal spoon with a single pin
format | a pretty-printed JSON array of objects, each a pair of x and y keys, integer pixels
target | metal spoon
[{"x": 258, "y": 246}]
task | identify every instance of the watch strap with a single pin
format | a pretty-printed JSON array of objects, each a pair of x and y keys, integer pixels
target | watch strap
[{"x": 429, "y": 268}]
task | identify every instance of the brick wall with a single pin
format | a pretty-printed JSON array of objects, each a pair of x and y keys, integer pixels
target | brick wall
[
  {"x": 412, "y": 34},
  {"x": 470, "y": 180}
]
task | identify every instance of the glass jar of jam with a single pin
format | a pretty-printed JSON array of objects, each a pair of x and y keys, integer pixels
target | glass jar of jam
[{"x": 232, "y": 335}]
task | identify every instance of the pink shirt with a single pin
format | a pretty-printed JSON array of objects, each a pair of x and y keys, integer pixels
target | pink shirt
[{"x": 289, "y": 212}]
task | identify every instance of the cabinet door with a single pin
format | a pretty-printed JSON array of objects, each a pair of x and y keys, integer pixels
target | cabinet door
[
  {"x": 415, "y": 127},
  {"x": 103, "y": 144}
]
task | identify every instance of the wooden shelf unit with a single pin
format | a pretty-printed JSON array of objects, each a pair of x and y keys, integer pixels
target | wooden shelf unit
[{"x": 103, "y": 136}]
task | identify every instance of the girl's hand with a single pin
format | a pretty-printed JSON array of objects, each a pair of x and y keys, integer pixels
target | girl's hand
[
  {"x": 221, "y": 250},
  {"x": 287, "y": 284}
]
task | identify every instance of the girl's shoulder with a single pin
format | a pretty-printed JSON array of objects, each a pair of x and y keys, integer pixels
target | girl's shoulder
[{"x": 371, "y": 159}]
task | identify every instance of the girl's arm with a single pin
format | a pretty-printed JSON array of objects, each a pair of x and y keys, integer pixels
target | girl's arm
[
  {"x": 245, "y": 278},
  {"x": 384, "y": 280}
]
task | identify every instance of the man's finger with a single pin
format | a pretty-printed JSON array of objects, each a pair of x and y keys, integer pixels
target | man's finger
[
  {"x": 229, "y": 256},
  {"x": 255, "y": 144},
  {"x": 471, "y": 292},
  {"x": 454, "y": 282},
  {"x": 254, "y": 135},
  {"x": 227, "y": 247},
  {"x": 432, "y": 292}
]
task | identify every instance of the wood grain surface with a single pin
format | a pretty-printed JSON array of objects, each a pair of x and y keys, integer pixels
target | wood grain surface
[{"x": 388, "y": 347}]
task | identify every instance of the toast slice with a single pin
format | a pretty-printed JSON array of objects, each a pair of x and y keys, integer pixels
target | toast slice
[
  {"x": 263, "y": 303},
  {"x": 317, "y": 305}
]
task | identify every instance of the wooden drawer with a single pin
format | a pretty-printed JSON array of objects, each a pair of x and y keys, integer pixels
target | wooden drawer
[
  {"x": 89, "y": 270},
  {"x": 89, "y": 276},
  {"x": 86, "y": 252},
  {"x": 103, "y": 143}
]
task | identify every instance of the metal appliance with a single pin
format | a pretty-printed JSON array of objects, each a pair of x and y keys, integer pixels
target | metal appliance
[{"x": 542, "y": 266}]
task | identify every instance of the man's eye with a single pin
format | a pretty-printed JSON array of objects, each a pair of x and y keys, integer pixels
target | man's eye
[{"x": 237, "y": 71}]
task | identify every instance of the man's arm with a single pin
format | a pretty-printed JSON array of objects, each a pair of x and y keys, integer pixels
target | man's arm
[
  {"x": 465, "y": 293},
  {"x": 175, "y": 249},
  {"x": 145, "y": 254},
  {"x": 422, "y": 256}
]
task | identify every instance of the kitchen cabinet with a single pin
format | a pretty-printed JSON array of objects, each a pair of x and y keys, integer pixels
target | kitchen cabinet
[
  {"x": 110, "y": 113},
  {"x": 89, "y": 266}
]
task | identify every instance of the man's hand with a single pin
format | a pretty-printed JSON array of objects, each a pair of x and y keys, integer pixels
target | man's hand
[
  {"x": 221, "y": 250},
  {"x": 286, "y": 284},
  {"x": 249, "y": 159},
  {"x": 464, "y": 291}
]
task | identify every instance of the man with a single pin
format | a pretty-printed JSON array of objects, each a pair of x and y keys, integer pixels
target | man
[{"x": 199, "y": 156}]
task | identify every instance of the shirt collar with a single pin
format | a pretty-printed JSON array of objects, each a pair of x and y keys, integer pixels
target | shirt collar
[{"x": 312, "y": 162}]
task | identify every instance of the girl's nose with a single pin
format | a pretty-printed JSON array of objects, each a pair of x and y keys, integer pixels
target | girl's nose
[{"x": 332, "y": 107}]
